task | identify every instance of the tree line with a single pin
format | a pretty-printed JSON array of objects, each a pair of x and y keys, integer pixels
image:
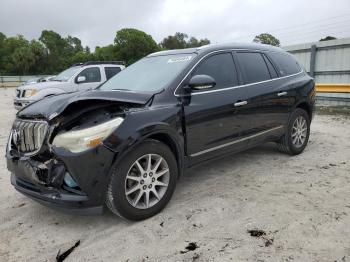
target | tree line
[{"x": 52, "y": 53}]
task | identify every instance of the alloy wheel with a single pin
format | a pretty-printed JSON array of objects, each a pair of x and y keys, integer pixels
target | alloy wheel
[
  {"x": 147, "y": 181},
  {"x": 299, "y": 131}
]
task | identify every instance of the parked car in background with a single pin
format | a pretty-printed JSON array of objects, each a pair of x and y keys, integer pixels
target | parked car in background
[
  {"x": 127, "y": 142},
  {"x": 31, "y": 81},
  {"x": 82, "y": 76},
  {"x": 46, "y": 79},
  {"x": 38, "y": 79}
]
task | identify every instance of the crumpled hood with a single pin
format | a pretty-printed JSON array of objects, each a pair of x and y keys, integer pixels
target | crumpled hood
[
  {"x": 43, "y": 85},
  {"x": 52, "y": 106}
]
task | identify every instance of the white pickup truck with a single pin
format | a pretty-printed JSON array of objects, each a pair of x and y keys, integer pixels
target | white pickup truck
[{"x": 78, "y": 77}]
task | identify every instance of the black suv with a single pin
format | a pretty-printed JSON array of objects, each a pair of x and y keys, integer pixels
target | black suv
[{"x": 127, "y": 142}]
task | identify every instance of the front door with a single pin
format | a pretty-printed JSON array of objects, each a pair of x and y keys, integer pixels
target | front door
[
  {"x": 216, "y": 117},
  {"x": 92, "y": 78}
]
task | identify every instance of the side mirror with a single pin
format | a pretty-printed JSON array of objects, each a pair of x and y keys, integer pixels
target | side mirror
[
  {"x": 200, "y": 82},
  {"x": 81, "y": 79}
]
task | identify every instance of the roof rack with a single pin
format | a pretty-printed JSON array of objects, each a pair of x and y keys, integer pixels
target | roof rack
[
  {"x": 77, "y": 64},
  {"x": 100, "y": 63}
]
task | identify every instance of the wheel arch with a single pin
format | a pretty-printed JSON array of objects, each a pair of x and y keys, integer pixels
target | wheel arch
[
  {"x": 171, "y": 142},
  {"x": 305, "y": 106},
  {"x": 162, "y": 135}
]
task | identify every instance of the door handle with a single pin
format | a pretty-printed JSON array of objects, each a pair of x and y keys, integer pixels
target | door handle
[
  {"x": 282, "y": 94},
  {"x": 242, "y": 103}
]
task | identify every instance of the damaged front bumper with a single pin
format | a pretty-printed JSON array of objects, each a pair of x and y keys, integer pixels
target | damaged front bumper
[
  {"x": 43, "y": 181},
  {"x": 53, "y": 199}
]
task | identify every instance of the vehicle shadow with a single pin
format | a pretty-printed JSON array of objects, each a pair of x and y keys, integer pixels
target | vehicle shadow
[{"x": 194, "y": 177}]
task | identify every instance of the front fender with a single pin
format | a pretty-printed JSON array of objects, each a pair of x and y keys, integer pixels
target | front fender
[{"x": 148, "y": 123}]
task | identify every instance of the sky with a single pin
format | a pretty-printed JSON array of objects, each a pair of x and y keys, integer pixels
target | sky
[{"x": 96, "y": 22}]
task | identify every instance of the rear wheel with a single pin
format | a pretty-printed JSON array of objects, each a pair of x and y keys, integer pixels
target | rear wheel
[
  {"x": 297, "y": 135},
  {"x": 144, "y": 181}
]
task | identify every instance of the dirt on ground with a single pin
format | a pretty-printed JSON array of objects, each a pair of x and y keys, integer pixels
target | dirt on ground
[{"x": 258, "y": 205}]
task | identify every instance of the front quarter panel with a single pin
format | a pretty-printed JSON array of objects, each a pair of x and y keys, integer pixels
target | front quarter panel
[{"x": 143, "y": 123}]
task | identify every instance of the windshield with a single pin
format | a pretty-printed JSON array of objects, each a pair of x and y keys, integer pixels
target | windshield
[
  {"x": 66, "y": 74},
  {"x": 149, "y": 74}
]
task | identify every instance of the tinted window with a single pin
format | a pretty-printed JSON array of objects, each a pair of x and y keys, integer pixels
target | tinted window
[
  {"x": 91, "y": 74},
  {"x": 111, "y": 71},
  {"x": 272, "y": 70},
  {"x": 253, "y": 67},
  {"x": 286, "y": 64},
  {"x": 221, "y": 68}
]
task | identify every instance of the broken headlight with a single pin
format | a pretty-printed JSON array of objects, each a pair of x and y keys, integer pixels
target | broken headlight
[{"x": 80, "y": 140}]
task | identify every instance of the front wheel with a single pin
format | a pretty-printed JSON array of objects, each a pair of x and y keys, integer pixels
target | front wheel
[
  {"x": 144, "y": 181},
  {"x": 297, "y": 134}
]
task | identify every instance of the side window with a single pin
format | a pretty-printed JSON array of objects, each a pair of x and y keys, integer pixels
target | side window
[
  {"x": 91, "y": 74},
  {"x": 253, "y": 67},
  {"x": 272, "y": 70},
  {"x": 221, "y": 68},
  {"x": 286, "y": 64},
  {"x": 111, "y": 71}
]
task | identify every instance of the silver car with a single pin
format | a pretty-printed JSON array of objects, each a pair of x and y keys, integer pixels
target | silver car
[
  {"x": 79, "y": 77},
  {"x": 31, "y": 81}
]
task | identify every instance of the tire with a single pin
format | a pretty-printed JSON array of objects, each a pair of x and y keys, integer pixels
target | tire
[
  {"x": 131, "y": 206},
  {"x": 286, "y": 143}
]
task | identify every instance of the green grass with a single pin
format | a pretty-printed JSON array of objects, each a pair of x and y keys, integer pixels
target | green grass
[{"x": 333, "y": 110}]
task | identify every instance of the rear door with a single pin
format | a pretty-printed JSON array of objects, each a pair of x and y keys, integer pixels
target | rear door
[
  {"x": 288, "y": 83},
  {"x": 111, "y": 71},
  {"x": 277, "y": 100},
  {"x": 259, "y": 78}
]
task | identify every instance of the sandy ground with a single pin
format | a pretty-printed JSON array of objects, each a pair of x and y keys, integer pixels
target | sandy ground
[{"x": 301, "y": 202}]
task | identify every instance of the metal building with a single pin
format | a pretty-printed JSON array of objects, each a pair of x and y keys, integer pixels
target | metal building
[{"x": 329, "y": 63}]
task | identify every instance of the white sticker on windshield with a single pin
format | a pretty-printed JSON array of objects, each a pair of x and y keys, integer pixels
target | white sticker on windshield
[{"x": 179, "y": 59}]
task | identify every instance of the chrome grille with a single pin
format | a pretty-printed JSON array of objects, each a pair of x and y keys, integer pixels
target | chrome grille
[
  {"x": 28, "y": 136},
  {"x": 20, "y": 93}
]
